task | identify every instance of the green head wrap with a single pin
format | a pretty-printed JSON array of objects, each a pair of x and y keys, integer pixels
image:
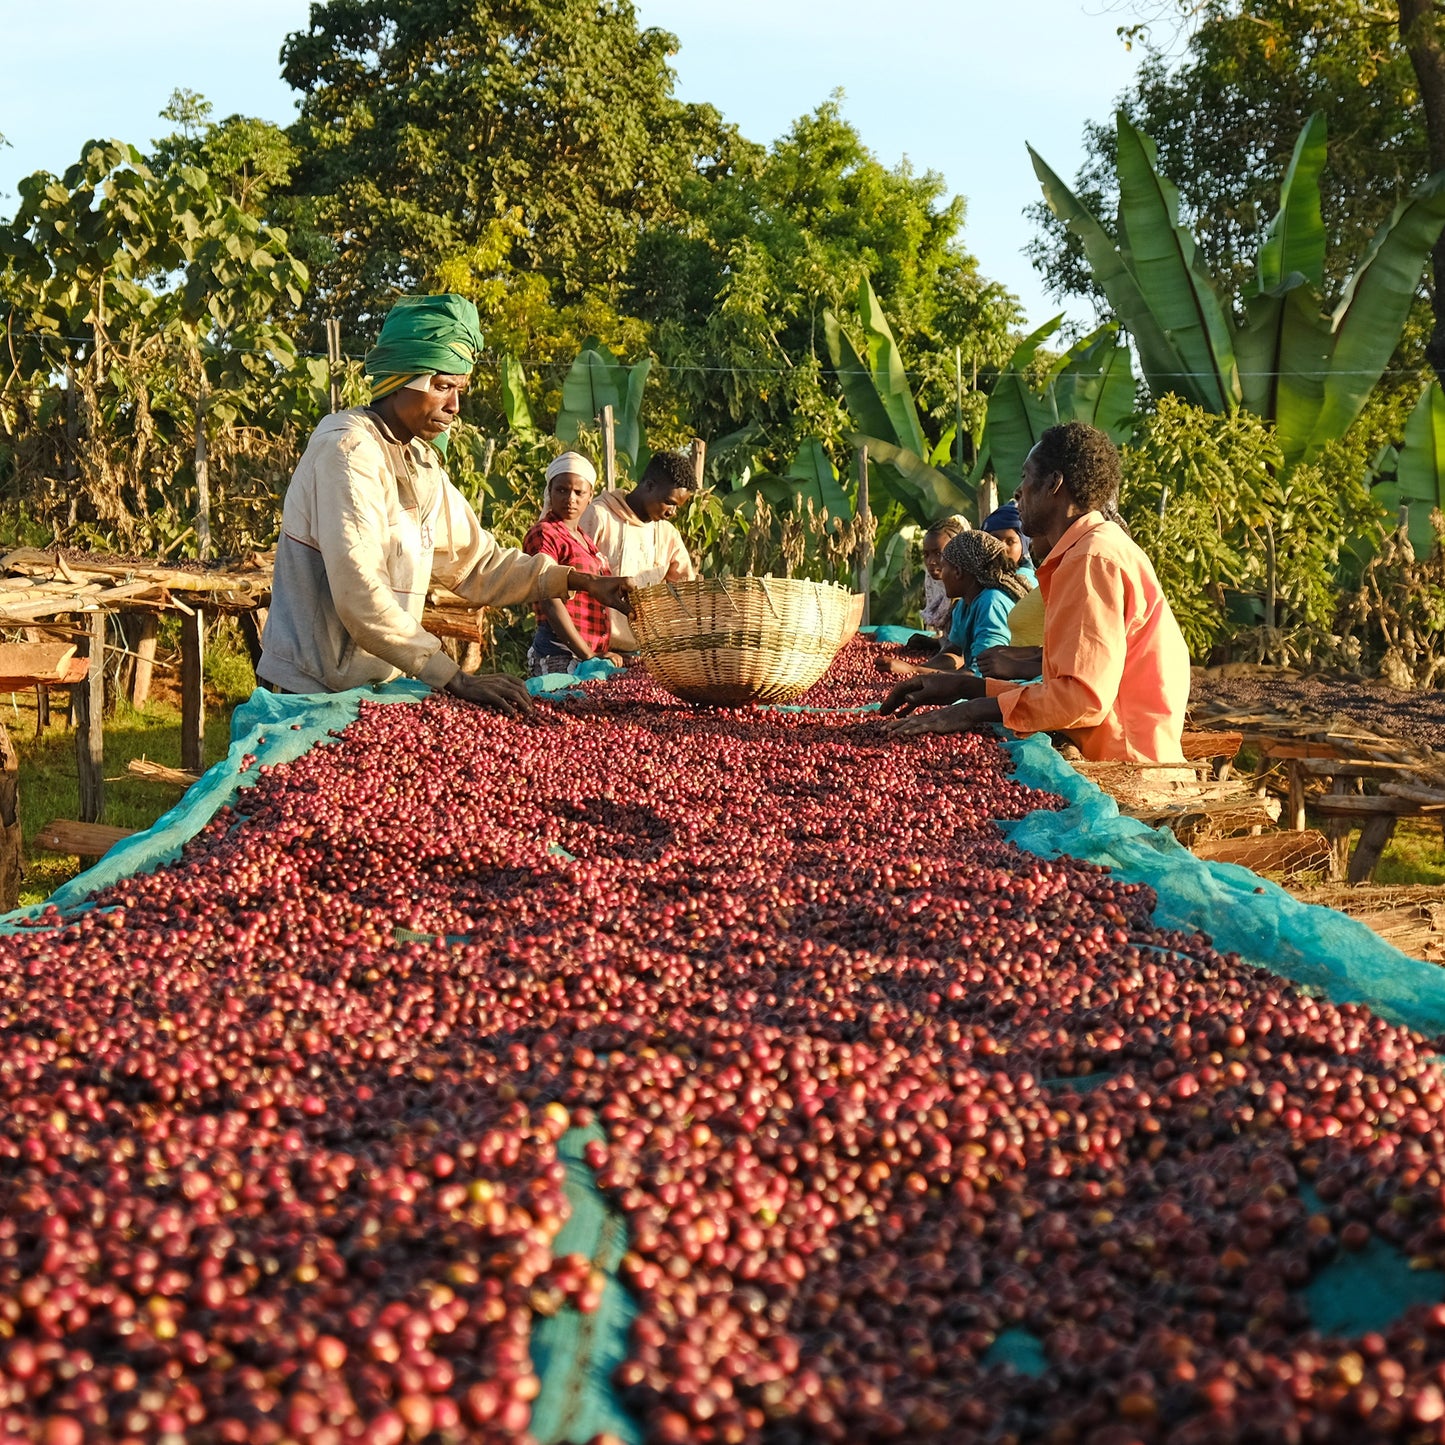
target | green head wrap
[{"x": 423, "y": 335}]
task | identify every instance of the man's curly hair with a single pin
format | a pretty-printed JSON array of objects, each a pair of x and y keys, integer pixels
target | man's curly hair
[
  {"x": 1087, "y": 459},
  {"x": 670, "y": 472}
]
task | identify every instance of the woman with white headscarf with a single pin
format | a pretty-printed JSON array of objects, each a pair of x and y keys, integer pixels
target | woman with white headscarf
[{"x": 577, "y": 628}]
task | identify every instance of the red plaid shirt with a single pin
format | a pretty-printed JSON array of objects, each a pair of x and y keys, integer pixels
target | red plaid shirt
[{"x": 549, "y": 538}]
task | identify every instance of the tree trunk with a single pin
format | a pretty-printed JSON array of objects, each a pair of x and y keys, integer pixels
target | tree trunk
[
  {"x": 203, "y": 479},
  {"x": 1420, "y": 32}
]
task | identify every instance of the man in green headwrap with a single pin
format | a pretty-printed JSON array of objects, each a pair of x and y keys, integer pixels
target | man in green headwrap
[{"x": 371, "y": 521}]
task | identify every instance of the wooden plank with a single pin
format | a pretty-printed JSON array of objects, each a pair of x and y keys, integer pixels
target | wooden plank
[
  {"x": 1411, "y": 792},
  {"x": 1354, "y": 805},
  {"x": 83, "y": 840},
  {"x": 1360, "y": 768},
  {"x": 193, "y": 705},
  {"x": 88, "y": 704},
  {"x": 1272, "y": 747},
  {"x": 34, "y": 661}
]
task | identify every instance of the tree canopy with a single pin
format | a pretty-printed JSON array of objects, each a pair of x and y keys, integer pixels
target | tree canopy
[
  {"x": 1225, "y": 117},
  {"x": 532, "y": 136}
]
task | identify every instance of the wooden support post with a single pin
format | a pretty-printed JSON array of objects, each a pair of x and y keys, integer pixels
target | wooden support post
[
  {"x": 253, "y": 624},
  {"x": 193, "y": 708},
  {"x": 145, "y": 659},
  {"x": 1338, "y": 831},
  {"x": 609, "y": 448},
  {"x": 699, "y": 461},
  {"x": 1296, "y": 795},
  {"x": 87, "y": 700},
  {"x": 10, "y": 840},
  {"x": 1373, "y": 837},
  {"x": 334, "y": 359},
  {"x": 42, "y": 708},
  {"x": 864, "y": 516},
  {"x": 987, "y": 498}
]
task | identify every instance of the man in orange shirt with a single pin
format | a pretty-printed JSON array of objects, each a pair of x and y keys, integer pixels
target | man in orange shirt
[{"x": 1115, "y": 666}]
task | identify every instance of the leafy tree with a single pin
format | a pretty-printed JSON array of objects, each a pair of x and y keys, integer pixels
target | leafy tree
[
  {"x": 152, "y": 296},
  {"x": 1224, "y": 121},
  {"x": 1243, "y": 546},
  {"x": 524, "y": 137},
  {"x": 244, "y": 157},
  {"x": 738, "y": 290}
]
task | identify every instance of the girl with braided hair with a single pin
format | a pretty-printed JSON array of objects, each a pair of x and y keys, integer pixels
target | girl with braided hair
[{"x": 979, "y": 571}]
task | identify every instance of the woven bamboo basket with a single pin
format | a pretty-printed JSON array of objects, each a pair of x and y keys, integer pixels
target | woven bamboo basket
[{"x": 726, "y": 642}]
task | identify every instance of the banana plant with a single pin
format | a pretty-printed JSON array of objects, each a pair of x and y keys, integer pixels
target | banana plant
[
  {"x": 597, "y": 380},
  {"x": 515, "y": 406},
  {"x": 909, "y": 468},
  {"x": 1093, "y": 381},
  {"x": 1287, "y": 361},
  {"x": 811, "y": 477},
  {"x": 1418, "y": 470}
]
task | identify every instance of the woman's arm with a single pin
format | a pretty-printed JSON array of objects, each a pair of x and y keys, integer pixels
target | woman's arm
[{"x": 561, "y": 623}]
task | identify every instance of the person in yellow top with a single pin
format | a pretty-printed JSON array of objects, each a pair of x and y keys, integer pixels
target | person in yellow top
[
  {"x": 634, "y": 532},
  {"x": 1115, "y": 665}
]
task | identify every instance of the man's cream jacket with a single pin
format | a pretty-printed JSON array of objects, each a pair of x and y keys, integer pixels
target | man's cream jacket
[{"x": 368, "y": 525}]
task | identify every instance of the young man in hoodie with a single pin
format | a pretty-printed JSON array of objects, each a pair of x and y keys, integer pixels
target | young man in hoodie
[
  {"x": 371, "y": 521},
  {"x": 634, "y": 532}
]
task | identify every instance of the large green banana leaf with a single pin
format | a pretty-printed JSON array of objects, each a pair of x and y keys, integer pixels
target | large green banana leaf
[
  {"x": 864, "y": 404},
  {"x": 814, "y": 471},
  {"x": 1017, "y": 415},
  {"x": 1163, "y": 258},
  {"x": 589, "y": 385},
  {"x": 1295, "y": 238},
  {"x": 1284, "y": 356},
  {"x": 1420, "y": 470},
  {"x": 743, "y": 500},
  {"x": 890, "y": 379},
  {"x": 627, "y": 422},
  {"x": 924, "y": 492},
  {"x": 515, "y": 406},
  {"x": 1368, "y": 321},
  {"x": 1164, "y": 367},
  {"x": 1095, "y": 383}
]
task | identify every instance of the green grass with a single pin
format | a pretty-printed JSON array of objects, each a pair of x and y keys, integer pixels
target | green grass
[
  {"x": 50, "y": 788},
  {"x": 1415, "y": 855}
]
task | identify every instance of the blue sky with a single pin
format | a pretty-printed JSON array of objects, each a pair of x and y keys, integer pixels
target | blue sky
[{"x": 956, "y": 85}]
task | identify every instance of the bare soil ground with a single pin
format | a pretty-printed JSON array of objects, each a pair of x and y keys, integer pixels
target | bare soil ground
[{"x": 1418, "y": 716}]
